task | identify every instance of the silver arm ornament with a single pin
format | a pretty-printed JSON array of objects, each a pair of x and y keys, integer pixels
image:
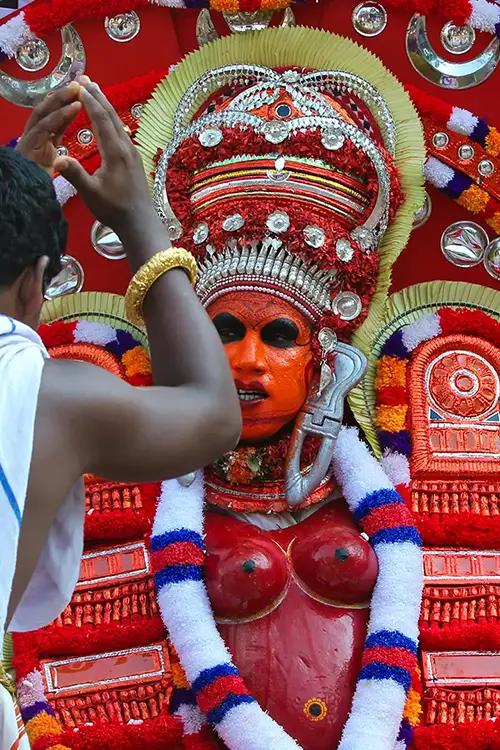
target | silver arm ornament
[{"x": 322, "y": 417}]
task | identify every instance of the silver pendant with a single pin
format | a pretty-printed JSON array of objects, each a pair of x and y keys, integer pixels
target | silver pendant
[
  {"x": 123, "y": 27},
  {"x": 448, "y": 75},
  {"x": 33, "y": 55},
  {"x": 70, "y": 66},
  {"x": 463, "y": 244},
  {"x": 457, "y": 40},
  {"x": 325, "y": 378},
  {"x": 492, "y": 258},
  {"x": 68, "y": 281},
  {"x": 106, "y": 242},
  {"x": 205, "y": 28},
  {"x": 369, "y": 18},
  {"x": 256, "y": 20},
  {"x": 423, "y": 213}
]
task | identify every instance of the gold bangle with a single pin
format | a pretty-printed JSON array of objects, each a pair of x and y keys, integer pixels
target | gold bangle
[{"x": 150, "y": 272}]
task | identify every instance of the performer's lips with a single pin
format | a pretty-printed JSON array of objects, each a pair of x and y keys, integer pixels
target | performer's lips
[{"x": 250, "y": 393}]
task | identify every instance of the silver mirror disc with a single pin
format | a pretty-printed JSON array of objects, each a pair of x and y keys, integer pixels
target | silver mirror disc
[
  {"x": 123, "y": 27},
  {"x": 68, "y": 281},
  {"x": 106, "y": 242},
  {"x": 457, "y": 40},
  {"x": 423, "y": 213},
  {"x": 463, "y": 244},
  {"x": 369, "y": 18},
  {"x": 492, "y": 258},
  {"x": 33, "y": 55}
]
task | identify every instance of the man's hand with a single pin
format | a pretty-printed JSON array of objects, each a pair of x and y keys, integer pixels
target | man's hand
[
  {"x": 45, "y": 128},
  {"x": 117, "y": 193}
]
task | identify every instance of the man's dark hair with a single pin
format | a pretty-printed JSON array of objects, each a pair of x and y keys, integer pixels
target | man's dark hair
[{"x": 31, "y": 220}]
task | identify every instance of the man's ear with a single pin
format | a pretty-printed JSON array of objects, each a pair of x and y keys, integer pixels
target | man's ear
[{"x": 31, "y": 289}]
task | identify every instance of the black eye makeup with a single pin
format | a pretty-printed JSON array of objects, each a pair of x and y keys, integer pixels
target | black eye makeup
[
  {"x": 230, "y": 329},
  {"x": 281, "y": 333}
]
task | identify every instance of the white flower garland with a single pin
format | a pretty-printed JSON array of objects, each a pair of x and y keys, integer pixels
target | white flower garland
[{"x": 177, "y": 553}]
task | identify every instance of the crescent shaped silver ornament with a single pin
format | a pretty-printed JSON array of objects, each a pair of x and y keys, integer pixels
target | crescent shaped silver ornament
[
  {"x": 448, "y": 75},
  {"x": 71, "y": 65}
]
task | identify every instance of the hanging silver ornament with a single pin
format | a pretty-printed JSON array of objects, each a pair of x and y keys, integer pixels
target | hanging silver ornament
[
  {"x": 369, "y": 18},
  {"x": 123, "y": 27},
  {"x": 444, "y": 73},
  {"x": 327, "y": 340},
  {"x": 33, "y": 55},
  {"x": 463, "y": 244},
  {"x": 68, "y": 281},
  {"x": 492, "y": 258},
  {"x": 106, "y": 242}
]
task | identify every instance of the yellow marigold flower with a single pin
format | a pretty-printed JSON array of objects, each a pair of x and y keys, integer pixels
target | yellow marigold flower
[
  {"x": 274, "y": 4},
  {"x": 136, "y": 361},
  {"x": 178, "y": 676},
  {"x": 413, "y": 708},
  {"x": 391, "y": 371},
  {"x": 391, "y": 418},
  {"x": 493, "y": 142},
  {"x": 494, "y": 222},
  {"x": 41, "y": 725},
  {"x": 474, "y": 199}
]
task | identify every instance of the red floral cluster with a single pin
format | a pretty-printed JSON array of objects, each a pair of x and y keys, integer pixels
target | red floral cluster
[
  {"x": 249, "y": 464},
  {"x": 477, "y": 735}
]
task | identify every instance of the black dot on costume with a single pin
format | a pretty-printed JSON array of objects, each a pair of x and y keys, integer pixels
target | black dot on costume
[
  {"x": 341, "y": 554},
  {"x": 248, "y": 566},
  {"x": 315, "y": 709},
  {"x": 283, "y": 110}
]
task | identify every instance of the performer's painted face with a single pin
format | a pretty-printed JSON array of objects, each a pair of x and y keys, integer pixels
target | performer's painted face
[{"x": 268, "y": 344}]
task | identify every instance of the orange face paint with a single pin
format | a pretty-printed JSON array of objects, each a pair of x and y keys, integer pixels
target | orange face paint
[{"x": 268, "y": 344}]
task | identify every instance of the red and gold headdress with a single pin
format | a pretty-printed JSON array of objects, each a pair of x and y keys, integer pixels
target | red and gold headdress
[{"x": 285, "y": 178}]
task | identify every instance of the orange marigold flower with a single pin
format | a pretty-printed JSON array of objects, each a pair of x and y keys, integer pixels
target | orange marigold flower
[
  {"x": 274, "y": 4},
  {"x": 391, "y": 371},
  {"x": 413, "y": 708},
  {"x": 136, "y": 361},
  {"x": 494, "y": 222},
  {"x": 41, "y": 725},
  {"x": 391, "y": 418},
  {"x": 493, "y": 142},
  {"x": 474, "y": 199},
  {"x": 225, "y": 6}
]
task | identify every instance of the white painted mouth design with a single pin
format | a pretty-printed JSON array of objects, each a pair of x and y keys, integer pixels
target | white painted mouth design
[{"x": 250, "y": 396}]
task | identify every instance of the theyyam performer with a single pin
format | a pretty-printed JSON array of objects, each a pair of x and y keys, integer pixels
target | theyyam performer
[{"x": 276, "y": 598}]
